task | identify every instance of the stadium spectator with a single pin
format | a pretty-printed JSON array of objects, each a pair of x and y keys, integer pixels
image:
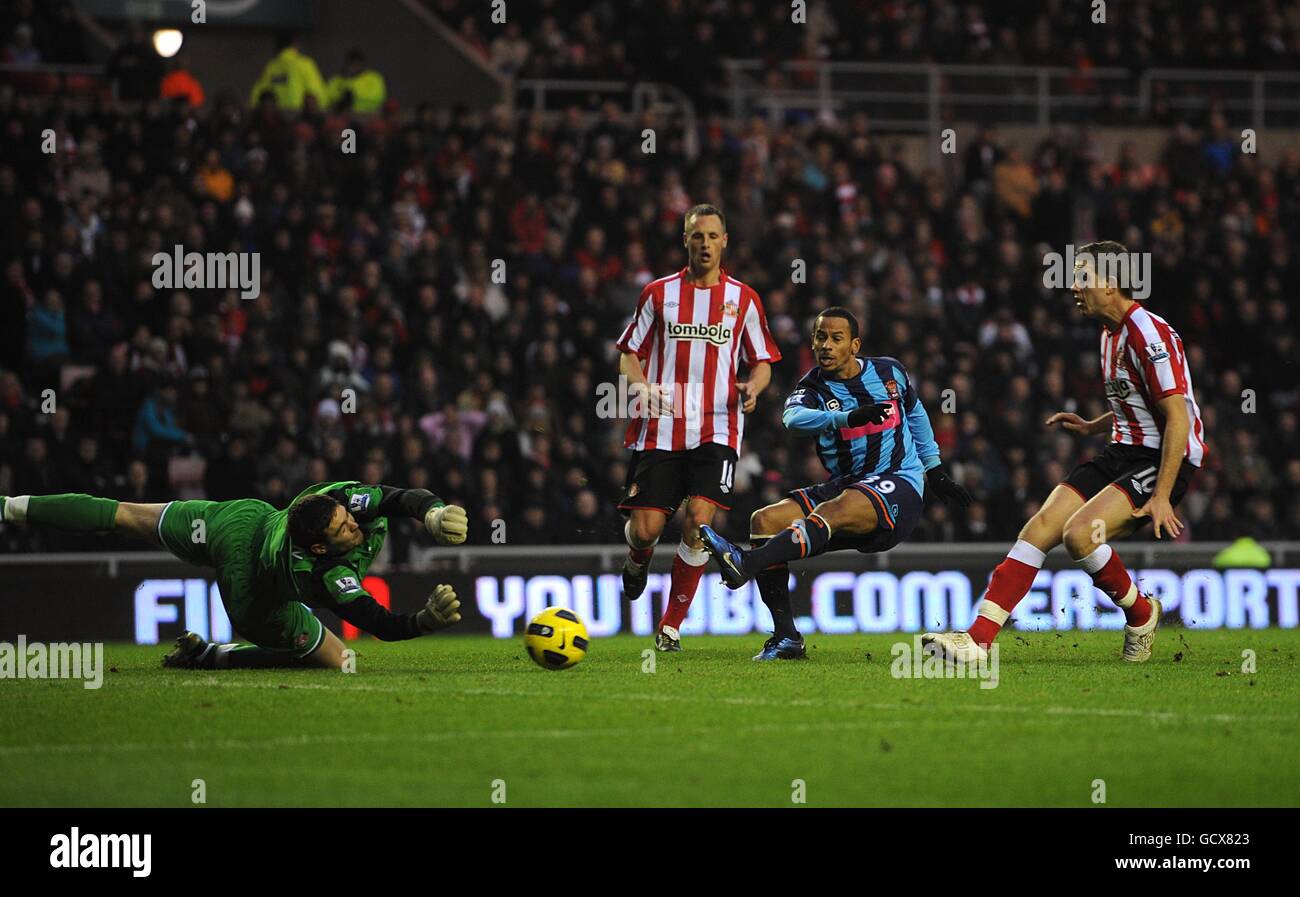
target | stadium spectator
[
  {"x": 180, "y": 83},
  {"x": 377, "y": 271},
  {"x": 135, "y": 68},
  {"x": 291, "y": 78},
  {"x": 360, "y": 87}
]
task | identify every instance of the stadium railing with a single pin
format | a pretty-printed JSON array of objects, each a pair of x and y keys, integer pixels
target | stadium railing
[
  {"x": 552, "y": 94},
  {"x": 923, "y": 97}
]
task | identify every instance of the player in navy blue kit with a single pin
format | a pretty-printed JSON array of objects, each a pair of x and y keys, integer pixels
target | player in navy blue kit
[{"x": 875, "y": 440}]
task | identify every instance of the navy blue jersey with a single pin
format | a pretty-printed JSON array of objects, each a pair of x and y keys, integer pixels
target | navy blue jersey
[{"x": 902, "y": 444}]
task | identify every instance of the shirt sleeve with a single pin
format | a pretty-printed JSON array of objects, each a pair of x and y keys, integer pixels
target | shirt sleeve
[
  {"x": 339, "y": 589},
  {"x": 368, "y": 503},
  {"x": 1153, "y": 354},
  {"x": 918, "y": 423},
  {"x": 756, "y": 342},
  {"x": 638, "y": 335},
  {"x": 804, "y": 413}
]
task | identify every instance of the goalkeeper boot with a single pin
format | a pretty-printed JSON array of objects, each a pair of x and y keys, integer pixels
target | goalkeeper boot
[
  {"x": 730, "y": 558},
  {"x": 1138, "y": 639},
  {"x": 190, "y": 653},
  {"x": 782, "y": 648},
  {"x": 954, "y": 647},
  {"x": 634, "y": 578},
  {"x": 668, "y": 639}
]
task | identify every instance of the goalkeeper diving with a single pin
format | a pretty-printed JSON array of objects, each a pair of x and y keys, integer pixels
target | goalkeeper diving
[{"x": 272, "y": 565}]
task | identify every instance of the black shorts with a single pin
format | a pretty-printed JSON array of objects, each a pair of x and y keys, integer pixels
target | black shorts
[
  {"x": 1133, "y": 469},
  {"x": 660, "y": 480},
  {"x": 898, "y": 508}
]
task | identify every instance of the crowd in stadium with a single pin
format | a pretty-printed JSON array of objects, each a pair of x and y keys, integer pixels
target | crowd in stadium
[
  {"x": 377, "y": 276},
  {"x": 563, "y": 38}
]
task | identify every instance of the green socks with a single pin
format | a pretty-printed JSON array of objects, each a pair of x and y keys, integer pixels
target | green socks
[{"x": 73, "y": 512}]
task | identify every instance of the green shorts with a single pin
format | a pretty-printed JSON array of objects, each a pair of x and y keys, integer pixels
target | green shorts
[{"x": 227, "y": 536}]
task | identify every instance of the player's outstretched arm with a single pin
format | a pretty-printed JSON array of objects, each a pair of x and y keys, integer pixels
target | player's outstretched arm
[
  {"x": 340, "y": 591},
  {"x": 1068, "y": 420},
  {"x": 370, "y": 616}
]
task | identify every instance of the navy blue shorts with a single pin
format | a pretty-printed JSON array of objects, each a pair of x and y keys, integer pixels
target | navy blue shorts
[{"x": 898, "y": 508}]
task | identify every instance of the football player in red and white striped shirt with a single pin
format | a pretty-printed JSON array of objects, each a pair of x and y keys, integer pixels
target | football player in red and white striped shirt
[
  {"x": 1157, "y": 442},
  {"x": 681, "y": 354}
]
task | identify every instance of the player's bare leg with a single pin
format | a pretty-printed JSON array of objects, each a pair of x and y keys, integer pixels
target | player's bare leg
[
  {"x": 1106, "y": 517},
  {"x": 642, "y": 532},
  {"x": 1011, "y": 579},
  {"x": 688, "y": 567}
]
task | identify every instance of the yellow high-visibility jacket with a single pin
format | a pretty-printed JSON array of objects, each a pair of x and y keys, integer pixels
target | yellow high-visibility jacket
[
  {"x": 368, "y": 90},
  {"x": 290, "y": 76}
]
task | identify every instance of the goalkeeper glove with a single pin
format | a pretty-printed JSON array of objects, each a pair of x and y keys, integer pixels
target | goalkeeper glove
[
  {"x": 449, "y": 524},
  {"x": 440, "y": 611},
  {"x": 946, "y": 487},
  {"x": 870, "y": 414}
]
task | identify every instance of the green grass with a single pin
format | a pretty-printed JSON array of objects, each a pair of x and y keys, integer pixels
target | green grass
[{"x": 436, "y": 721}]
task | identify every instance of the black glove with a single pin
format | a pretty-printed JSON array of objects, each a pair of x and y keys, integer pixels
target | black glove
[
  {"x": 870, "y": 414},
  {"x": 946, "y": 487}
]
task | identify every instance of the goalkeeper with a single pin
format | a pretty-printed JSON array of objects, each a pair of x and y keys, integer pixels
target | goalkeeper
[{"x": 273, "y": 566}]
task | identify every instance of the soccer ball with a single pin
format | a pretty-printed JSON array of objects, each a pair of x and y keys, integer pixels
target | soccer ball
[{"x": 556, "y": 639}]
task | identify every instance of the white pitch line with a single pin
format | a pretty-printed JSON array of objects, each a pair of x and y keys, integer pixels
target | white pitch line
[
  {"x": 419, "y": 737},
  {"x": 1159, "y": 716}
]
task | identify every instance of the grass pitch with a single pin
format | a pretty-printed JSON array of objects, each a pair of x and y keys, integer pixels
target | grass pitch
[{"x": 444, "y": 721}]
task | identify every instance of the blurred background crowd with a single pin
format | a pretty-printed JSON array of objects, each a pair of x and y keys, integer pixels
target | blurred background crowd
[
  {"x": 684, "y": 42},
  {"x": 382, "y": 348}
]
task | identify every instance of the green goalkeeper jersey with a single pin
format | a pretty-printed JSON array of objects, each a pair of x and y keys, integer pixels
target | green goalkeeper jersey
[{"x": 334, "y": 582}]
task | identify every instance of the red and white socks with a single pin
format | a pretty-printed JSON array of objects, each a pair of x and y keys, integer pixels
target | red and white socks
[
  {"x": 1013, "y": 578},
  {"x": 688, "y": 567},
  {"x": 1010, "y": 582},
  {"x": 1110, "y": 575}
]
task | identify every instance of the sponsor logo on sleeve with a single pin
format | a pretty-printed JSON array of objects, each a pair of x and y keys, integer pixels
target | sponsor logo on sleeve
[
  {"x": 347, "y": 584},
  {"x": 359, "y": 502},
  {"x": 1157, "y": 352}
]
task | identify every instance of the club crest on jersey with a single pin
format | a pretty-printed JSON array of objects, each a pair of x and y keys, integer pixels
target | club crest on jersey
[
  {"x": 713, "y": 333},
  {"x": 891, "y": 388},
  {"x": 1157, "y": 352},
  {"x": 359, "y": 502},
  {"x": 730, "y": 308},
  {"x": 1119, "y": 388}
]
